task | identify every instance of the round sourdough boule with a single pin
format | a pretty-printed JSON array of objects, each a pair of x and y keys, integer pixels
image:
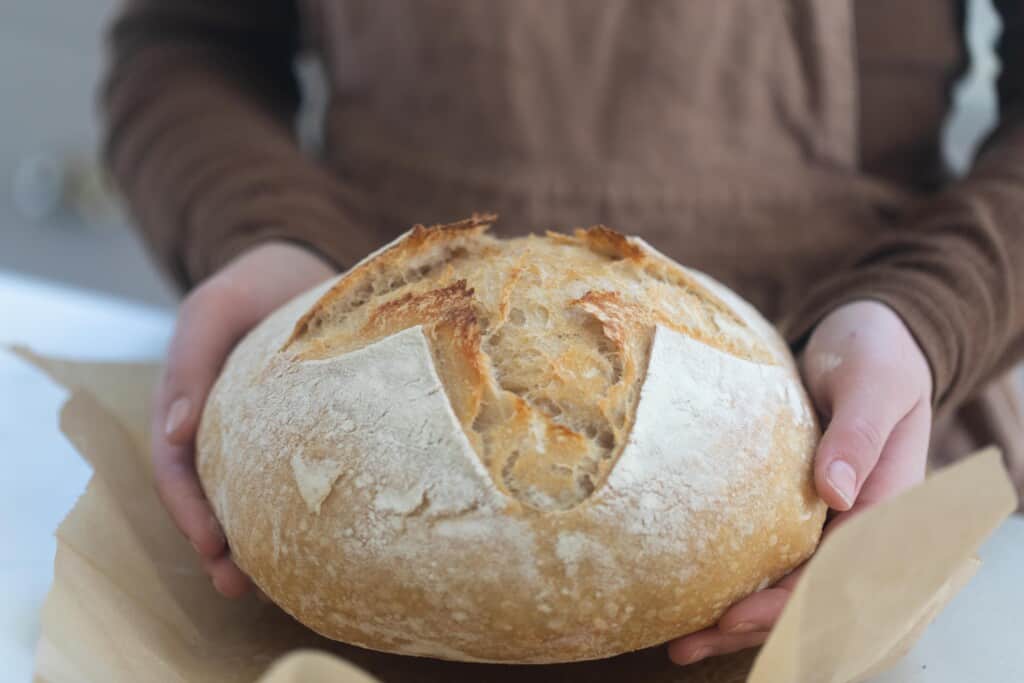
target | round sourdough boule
[{"x": 534, "y": 450}]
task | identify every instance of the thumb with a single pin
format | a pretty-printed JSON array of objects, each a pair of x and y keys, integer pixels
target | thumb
[
  {"x": 211, "y": 321},
  {"x": 217, "y": 314},
  {"x": 203, "y": 336},
  {"x": 866, "y": 401},
  {"x": 208, "y": 327}
]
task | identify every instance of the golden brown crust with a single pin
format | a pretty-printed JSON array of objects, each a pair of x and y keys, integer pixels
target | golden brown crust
[
  {"x": 352, "y": 289},
  {"x": 542, "y": 449},
  {"x": 601, "y": 240},
  {"x": 451, "y": 321}
]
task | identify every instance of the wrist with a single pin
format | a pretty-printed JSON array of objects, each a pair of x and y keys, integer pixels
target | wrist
[
  {"x": 318, "y": 262},
  {"x": 266, "y": 275},
  {"x": 211, "y": 259},
  {"x": 270, "y": 253},
  {"x": 887, "y": 334}
]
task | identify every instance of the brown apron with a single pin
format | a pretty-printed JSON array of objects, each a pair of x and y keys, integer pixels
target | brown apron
[{"x": 701, "y": 126}]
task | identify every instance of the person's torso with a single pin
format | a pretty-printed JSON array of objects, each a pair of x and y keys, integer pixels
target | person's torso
[{"x": 732, "y": 135}]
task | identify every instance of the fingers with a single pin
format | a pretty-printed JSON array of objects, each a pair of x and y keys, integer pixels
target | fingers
[
  {"x": 203, "y": 336},
  {"x": 227, "y": 578},
  {"x": 209, "y": 325},
  {"x": 868, "y": 377},
  {"x": 900, "y": 465},
  {"x": 178, "y": 488},
  {"x": 210, "y": 322},
  {"x": 213, "y": 319},
  {"x": 759, "y": 611},
  {"x": 866, "y": 374},
  {"x": 206, "y": 331},
  {"x": 745, "y": 624},
  {"x": 710, "y": 642},
  {"x": 903, "y": 459},
  {"x": 866, "y": 402}
]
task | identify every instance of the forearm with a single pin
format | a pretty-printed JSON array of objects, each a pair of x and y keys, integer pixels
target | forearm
[
  {"x": 952, "y": 271},
  {"x": 198, "y": 109}
]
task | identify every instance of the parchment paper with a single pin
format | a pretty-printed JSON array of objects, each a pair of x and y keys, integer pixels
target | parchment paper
[{"x": 130, "y": 603}]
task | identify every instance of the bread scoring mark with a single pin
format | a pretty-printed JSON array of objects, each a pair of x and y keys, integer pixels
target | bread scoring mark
[
  {"x": 546, "y": 446},
  {"x": 408, "y": 261},
  {"x": 715, "y": 322},
  {"x": 712, "y": 321},
  {"x": 406, "y": 590},
  {"x": 541, "y": 343},
  {"x": 670, "y": 273},
  {"x": 667, "y": 471},
  {"x": 585, "y": 436},
  {"x": 601, "y": 240},
  {"x": 622, "y": 318},
  {"x": 449, "y": 318},
  {"x": 453, "y": 302}
]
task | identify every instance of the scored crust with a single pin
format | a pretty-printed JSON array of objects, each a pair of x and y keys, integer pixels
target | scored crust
[
  {"x": 541, "y": 342},
  {"x": 543, "y": 449}
]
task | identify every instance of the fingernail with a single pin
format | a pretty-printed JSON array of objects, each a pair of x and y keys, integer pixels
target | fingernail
[
  {"x": 843, "y": 479},
  {"x": 176, "y": 415},
  {"x": 744, "y": 627},
  {"x": 698, "y": 654}
]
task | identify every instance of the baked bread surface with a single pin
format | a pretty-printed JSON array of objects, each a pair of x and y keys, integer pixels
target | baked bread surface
[{"x": 545, "y": 449}]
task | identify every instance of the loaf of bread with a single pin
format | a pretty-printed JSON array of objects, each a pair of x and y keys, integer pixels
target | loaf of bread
[{"x": 542, "y": 449}]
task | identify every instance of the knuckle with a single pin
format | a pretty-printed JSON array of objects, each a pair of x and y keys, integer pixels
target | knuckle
[
  {"x": 207, "y": 317},
  {"x": 890, "y": 370},
  {"x": 206, "y": 298},
  {"x": 169, "y": 471},
  {"x": 874, "y": 368},
  {"x": 165, "y": 492},
  {"x": 158, "y": 400},
  {"x": 218, "y": 303},
  {"x": 864, "y": 434},
  {"x": 163, "y": 475},
  {"x": 173, "y": 378}
]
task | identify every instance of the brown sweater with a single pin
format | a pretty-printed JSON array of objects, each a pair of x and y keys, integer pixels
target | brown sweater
[{"x": 789, "y": 148}]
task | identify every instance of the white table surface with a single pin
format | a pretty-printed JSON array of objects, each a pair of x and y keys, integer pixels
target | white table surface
[
  {"x": 42, "y": 476},
  {"x": 978, "y": 638}
]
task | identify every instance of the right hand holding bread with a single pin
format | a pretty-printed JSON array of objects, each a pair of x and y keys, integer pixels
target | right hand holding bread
[
  {"x": 212, "y": 319},
  {"x": 872, "y": 383}
]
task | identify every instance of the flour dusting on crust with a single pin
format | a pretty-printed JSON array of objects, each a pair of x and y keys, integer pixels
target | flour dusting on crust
[
  {"x": 689, "y": 447},
  {"x": 353, "y": 486}
]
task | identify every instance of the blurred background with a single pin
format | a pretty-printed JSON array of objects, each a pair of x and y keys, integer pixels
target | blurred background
[{"x": 58, "y": 222}]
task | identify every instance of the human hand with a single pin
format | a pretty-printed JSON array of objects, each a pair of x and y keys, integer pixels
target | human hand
[
  {"x": 211, "y": 320},
  {"x": 872, "y": 384}
]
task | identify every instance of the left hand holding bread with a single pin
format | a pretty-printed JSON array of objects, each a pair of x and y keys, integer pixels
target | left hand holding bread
[{"x": 212, "y": 318}]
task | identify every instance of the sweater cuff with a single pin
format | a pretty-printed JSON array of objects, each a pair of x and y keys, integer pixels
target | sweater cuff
[{"x": 908, "y": 294}]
